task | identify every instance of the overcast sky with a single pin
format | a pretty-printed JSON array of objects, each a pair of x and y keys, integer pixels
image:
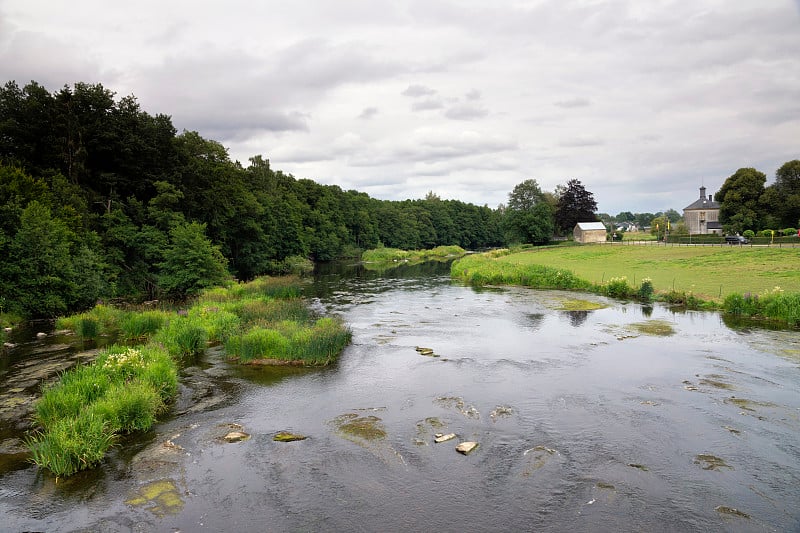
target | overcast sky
[{"x": 643, "y": 101}]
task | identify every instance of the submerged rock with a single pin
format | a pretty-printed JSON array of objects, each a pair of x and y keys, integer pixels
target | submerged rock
[
  {"x": 160, "y": 497},
  {"x": 711, "y": 462},
  {"x": 285, "y": 436},
  {"x": 723, "y": 509},
  {"x": 466, "y": 447},
  {"x": 501, "y": 411}
]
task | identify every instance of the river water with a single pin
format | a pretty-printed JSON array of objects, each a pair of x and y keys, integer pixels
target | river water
[{"x": 625, "y": 418}]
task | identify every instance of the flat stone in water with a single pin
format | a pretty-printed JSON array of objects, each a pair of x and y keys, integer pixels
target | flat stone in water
[
  {"x": 439, "y": 437},
  {"x": 236, "y": 436},
  {"x": 466, "y": 447}
]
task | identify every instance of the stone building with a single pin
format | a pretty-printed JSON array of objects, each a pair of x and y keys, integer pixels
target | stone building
[{"x": 702, "y": 215}]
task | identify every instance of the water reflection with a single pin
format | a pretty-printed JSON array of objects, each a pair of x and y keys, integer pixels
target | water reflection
[{"x": 577, "y": 318}]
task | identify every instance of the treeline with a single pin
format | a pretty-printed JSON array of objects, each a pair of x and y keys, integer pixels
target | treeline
[{"x": 98, "y": 198}]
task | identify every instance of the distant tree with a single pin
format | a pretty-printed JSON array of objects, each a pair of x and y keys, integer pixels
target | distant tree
[
  {"x": 528, "y": 217},
  {"x": 739, "y": 198},
  {"x": 575, "y": 204},
  {"x": 625, "y": 216},
  {"x": 672, "y": 215},
  {"x": 644, "y": 219}
]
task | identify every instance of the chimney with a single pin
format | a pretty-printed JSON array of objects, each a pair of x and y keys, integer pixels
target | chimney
[
  {"x": 710, "y": 197},
  {"x": 702, "y": 193}
]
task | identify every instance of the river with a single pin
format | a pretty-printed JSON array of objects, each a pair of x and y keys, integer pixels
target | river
[{"x": 624, "y": 418}]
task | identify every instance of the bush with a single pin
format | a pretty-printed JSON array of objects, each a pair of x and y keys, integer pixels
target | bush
[
  {"x": 790, "y": 232},
  {"x": 645, "y": 292},
  {"x": 618, "y": 288},
  {"x": 748, "y": 234}
]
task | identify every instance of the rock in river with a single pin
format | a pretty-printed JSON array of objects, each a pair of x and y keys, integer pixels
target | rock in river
[
  {"x": 441, "y": 437},
  {"x": 466, "y": 447},
  {"x": 236, "y": 436}
]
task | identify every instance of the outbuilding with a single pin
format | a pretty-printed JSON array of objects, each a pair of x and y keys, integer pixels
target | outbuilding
[{"x": 586, "y": 232}]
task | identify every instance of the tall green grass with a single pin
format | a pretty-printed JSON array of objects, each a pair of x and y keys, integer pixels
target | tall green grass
[
  {"x": 141, "y": 325},
  {"x": 292, "y": 342},
  {"x": 79, "y": 417},
  {"x": 772, "y": 305},
  {"x": 100, "y": 320}
]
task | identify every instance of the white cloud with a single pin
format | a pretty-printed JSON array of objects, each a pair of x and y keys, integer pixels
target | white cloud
[{"x": 641, "y": 101}]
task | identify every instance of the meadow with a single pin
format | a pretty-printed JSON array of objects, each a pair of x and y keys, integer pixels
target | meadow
[
  {"x": 710, "y": 273},
  {"x": 746, "y": 281}
]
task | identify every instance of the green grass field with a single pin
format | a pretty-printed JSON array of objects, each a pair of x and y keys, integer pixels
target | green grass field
[{"x": 710, "y": 273}]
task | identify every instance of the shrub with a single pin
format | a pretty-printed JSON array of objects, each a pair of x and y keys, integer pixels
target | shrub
[
  {"x": 748, "y": 234},
  {"x": 617, "y": 288},
  {"x": 789, "y": 232},
  {"x": 645, "y": 292}
]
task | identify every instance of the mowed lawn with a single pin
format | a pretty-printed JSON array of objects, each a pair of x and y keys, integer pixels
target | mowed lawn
[{"x": 709, "y": 272}]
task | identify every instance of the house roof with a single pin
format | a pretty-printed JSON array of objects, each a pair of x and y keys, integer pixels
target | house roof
[
  {"x": 585, "y": 226},
  {"x": 702, "y": 203}
]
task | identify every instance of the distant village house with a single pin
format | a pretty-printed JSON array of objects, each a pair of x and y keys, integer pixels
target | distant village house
[
  {"x": 586, "y": 232},
  {"x": 702, "y": 216}
]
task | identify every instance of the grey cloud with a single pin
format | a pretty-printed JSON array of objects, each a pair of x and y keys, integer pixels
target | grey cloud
[
  {"x": 465, "y": 112},
  {"x": 474, "y": 94},
  {"x": 415, "y": 91},
  {"x": 573, "y": 102},
  {"x": 52, "y": 63},
  {"x": 368, "y": 112},
  {"x": 427, "y": 105},
  {"x": 581, "y": 142}
]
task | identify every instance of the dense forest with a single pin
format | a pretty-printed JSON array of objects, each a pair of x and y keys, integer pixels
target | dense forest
[{"x": 99, "y": 199}]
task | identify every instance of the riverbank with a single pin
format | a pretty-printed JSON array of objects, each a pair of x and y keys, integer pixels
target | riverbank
[{"x": 758, "y": 282}]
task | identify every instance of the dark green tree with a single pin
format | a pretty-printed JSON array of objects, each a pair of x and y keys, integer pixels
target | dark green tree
[
  {"x": 528, "y": 217},
  {"x": 739, "y": 198},
  {"x": 575, "y": 204}
]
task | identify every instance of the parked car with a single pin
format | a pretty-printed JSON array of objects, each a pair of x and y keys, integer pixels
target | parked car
[{"x": 736, "y": 239}]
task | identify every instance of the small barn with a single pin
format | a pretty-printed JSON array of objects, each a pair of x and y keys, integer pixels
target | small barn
[{"x": 586, "y": 232}]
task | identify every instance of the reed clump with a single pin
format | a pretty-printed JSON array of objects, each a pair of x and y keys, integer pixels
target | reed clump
[{"x": 80, "y": 417}]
